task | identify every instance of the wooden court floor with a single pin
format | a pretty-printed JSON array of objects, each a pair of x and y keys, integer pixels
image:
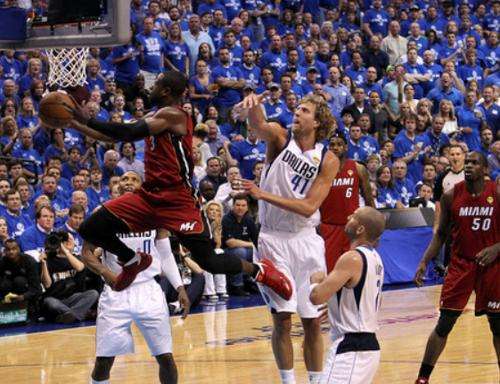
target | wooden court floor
[{"x": 233, "y": 347}]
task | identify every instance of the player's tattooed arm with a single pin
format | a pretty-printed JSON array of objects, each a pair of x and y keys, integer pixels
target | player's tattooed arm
[{"x": 438, "y": 239}]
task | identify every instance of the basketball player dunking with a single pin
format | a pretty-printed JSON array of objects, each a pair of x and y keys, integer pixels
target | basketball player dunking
[
  {"x": 350, "y": 185},
  {"x": 117, "y": 310},
  {"x": 297, "y": 177},
  {"x": 469, "y": 213},
  {"x": 353, "y": 291},
  {"x": 167, "y": 199}
]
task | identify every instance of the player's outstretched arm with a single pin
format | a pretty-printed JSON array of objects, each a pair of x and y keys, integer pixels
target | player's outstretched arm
[
  {"x": 272, "y": 133},
  {"x": 90, "y": 132},
  {"x": 314, "y": 197},
  {"x": 438, "y": 239},
  {"x": 169, "y": 119},
  {"x": 347, "y": 270}
]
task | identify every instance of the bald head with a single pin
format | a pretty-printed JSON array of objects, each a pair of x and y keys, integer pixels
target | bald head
[
  {"x": 79, "y": 197},
  {"x": 365, "y": 223},
  {"x": 373, "y": 221}
]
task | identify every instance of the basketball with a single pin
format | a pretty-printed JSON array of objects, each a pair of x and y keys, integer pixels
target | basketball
[{"x": 53, "y": 111}]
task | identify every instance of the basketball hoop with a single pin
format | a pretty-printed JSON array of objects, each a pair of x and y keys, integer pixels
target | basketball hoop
[{"x": 67, "y": 67}]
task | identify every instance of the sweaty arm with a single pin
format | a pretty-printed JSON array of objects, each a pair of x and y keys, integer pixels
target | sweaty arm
[
  {"x": 273, "y": 134},
  {"x": 314, "y": 197},
  {"x": 347, "y": 271},
  {"x": 168, "y": 119},
  {"x": 364, "y": 184}
]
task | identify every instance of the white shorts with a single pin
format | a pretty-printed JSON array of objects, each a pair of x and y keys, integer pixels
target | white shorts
[
  {"x": 298, "y": 256},
  {"x": 353, "y": 367},
  {"x": 142, "y": 303}
]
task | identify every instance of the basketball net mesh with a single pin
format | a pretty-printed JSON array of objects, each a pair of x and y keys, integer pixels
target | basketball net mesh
[{"x": 67, "y": 66}]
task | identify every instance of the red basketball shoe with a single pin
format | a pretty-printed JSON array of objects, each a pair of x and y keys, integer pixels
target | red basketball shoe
[
  {"x": 129, "y": 272},
  {"x": 274, "y": 279}
]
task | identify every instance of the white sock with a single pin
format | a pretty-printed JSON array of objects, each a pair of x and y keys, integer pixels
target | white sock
[
  {"x": 92, "y": 381},
  {"x": 287, "y": 376},
  {"x": 314, "y": 377}
]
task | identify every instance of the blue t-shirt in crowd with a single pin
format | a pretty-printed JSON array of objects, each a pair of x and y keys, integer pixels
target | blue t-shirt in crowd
[
  {"x": 227, "y": 96},
  {"x": 403, "y": 146},
  {"x": 466, "y": 117},
  {"x": 154, "y": 48},
  {"x": 177, "y": 54},
  {"x": 16, "y": 224},
  {"x": 405, "y": 188},
  {"x": 247, "y": 154},
  {"x": 387, "y": 197},
  {"x": 126, "y": 70}
]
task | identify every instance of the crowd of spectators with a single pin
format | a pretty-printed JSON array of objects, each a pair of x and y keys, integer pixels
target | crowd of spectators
[{"x": 413, "y": 84}]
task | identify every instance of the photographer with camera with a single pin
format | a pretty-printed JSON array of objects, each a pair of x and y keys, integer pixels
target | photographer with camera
[{"x": 65, "y": 299}]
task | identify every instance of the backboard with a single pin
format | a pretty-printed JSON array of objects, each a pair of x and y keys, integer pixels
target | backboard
[{"x": 67, "y": 24}]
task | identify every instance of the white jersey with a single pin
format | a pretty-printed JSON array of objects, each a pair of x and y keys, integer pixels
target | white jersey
[
  {"x": 290, "y": 175},
  {"x": 144, "y": 242},
  {"x": 354, "y": 310}
]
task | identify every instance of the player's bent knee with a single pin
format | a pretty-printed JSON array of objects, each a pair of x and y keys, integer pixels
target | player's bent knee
[
  {"x": 92, "y": 225},
  {"x": 494, "y": 320},
  {"x": 101, "y": 222},
  {"x": 446, "y": 322}
]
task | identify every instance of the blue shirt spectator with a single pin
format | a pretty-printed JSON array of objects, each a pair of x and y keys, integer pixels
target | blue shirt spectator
[
  {"x": 247, "y": 153},
  {"x": 32, "y": 241},
  {"x": 445, "y": 91},
  {"x": 433, "y": 139},
  {"x": 126, "y": 60},
  {"x": 177, "y": 51},
  {"x": 230, "y": 80},
  {"x": 387, "y": 194},
  {"x": 152, "y": 47}
]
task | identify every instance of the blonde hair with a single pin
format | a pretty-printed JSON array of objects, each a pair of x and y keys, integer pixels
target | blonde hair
[
  {"x": 201, "y": 127},
  {"x": 451, "y": 114},
  {"x": 322, "y": 114},
  {"x": 213, "y": 202}
]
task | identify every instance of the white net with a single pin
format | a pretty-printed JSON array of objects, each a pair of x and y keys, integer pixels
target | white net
[{"x": 67, "y": 66}]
